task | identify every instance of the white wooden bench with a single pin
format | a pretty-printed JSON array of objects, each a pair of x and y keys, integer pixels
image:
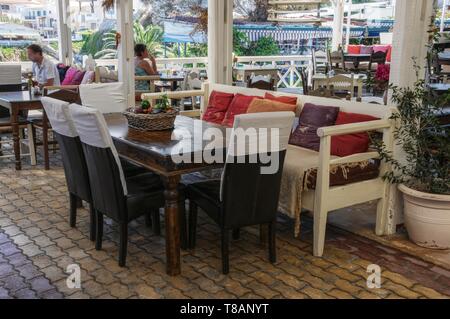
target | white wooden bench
[{"x": 325, "y": 198}]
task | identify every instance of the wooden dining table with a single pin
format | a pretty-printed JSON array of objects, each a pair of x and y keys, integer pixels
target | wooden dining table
[
  {"x": 16, "y": 102},
  {"x": 155, "y": 151},
  {"x": 357, "y": 59}
]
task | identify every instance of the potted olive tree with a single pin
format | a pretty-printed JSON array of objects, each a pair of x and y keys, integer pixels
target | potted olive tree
[{"x": 424, "y": 174}]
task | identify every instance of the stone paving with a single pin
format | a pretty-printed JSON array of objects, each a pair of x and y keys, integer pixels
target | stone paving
[{"x": 37, "y": 244}]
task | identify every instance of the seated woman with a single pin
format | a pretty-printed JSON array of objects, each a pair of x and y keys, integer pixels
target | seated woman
[{"x": 144, "y": 64}]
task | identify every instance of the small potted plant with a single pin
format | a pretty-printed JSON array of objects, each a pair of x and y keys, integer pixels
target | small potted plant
[
  {"x": 152, "y": 118},
  {"x": 424, "y": 174}
]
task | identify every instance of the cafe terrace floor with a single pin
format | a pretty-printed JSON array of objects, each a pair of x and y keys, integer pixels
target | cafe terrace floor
[{"x": 37, "y": 244}]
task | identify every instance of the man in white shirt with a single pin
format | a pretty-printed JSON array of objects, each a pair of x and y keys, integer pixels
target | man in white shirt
[{"x": 44, "y": 71}]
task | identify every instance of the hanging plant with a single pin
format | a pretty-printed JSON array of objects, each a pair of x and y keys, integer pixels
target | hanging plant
[{"x": 108, "y": 4}]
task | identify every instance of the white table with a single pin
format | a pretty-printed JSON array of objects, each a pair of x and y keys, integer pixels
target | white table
[{"x": 244, "y": 72}]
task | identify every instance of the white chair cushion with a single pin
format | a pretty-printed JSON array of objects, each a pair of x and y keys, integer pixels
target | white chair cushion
[{"x": 105, "y": 97}]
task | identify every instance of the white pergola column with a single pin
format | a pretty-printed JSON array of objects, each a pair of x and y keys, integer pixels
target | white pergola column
[
  {"x": 64, "y": 32},
  {"x": 124, "y": 10},
  {"x": 338, "y": 23},
  {"x": 444, "y": 12},
  {"x": 349, "y": 22},
  {"x": 410, "y": 39},
  {"x": 220, "y": 41}
]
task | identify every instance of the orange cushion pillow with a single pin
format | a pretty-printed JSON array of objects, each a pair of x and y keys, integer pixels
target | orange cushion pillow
[
  {"x": 260, "y": 106},
  {"x": 283, "y": 99},
  {"x": 354, "y": 49}
]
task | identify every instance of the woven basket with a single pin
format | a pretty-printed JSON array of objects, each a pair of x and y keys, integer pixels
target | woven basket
[{"x": 151, "y": 122}]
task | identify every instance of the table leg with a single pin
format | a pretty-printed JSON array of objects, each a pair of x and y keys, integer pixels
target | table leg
[
  {"x": 173, "y": 263},
  {"x": 16, "y": 137},
  {"x": 45, "y": 140}
]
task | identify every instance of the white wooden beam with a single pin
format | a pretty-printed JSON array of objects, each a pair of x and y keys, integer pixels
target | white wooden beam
[
  {"x": 64, "y": 32},
  {"x": 124, "y": 10},
  {"x": 410, "y": 39},
  {"x": 444, "y": 13},
  {"x": 349, "y": 22},
  {"x": 220, "y": 41},
  {"x": 338, "y": 22}
]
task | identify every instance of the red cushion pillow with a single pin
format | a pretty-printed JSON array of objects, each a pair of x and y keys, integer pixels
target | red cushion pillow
[
  {"x": 389, "y": 54},
  {"x": 217, "y": 106},
  {"x": 239, "y": 105},
  {"x": 283, "y": 99},
  {"x": 69, "y": 76},
  {"x": 354, "y": 49},
  {"x": 346, "y": 145},
  {"x": 78, "y": 77}
]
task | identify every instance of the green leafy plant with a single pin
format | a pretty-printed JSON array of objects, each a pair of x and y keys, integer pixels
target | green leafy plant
[
  {"x": 163, "y": 104},
  {"x": 425, "y": 142}
]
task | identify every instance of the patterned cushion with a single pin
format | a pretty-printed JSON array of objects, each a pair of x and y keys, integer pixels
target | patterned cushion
[{"x": 311, "y": 119}]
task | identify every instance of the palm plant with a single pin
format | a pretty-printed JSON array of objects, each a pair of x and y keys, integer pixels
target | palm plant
[{"x": 151, "y": 36}]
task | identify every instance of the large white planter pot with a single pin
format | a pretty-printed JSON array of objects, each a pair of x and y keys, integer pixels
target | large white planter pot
[{"x": 427, "y": 218}]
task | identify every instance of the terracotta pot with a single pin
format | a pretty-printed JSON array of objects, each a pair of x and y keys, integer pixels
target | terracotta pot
[{"x": 427, "y": 218}]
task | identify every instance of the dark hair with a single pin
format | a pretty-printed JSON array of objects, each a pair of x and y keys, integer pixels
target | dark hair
[
  {"x": 139, "y": 49},
  {"x": 35, "y": 48}
]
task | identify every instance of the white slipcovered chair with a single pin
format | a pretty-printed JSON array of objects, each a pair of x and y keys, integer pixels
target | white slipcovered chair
[{"x": 105, "y": 97}]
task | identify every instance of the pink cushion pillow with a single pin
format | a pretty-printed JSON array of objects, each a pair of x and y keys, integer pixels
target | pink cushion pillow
[
  {"x": 88, "y": 77},
  {"x": 69, "y": 76},
  {"x": 366, "y": 49},
  {"x": 380, "y": 48},
  {"x": 78, "y": 77}
]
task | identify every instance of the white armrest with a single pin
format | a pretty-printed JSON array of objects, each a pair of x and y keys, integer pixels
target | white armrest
[
  {"x": 353, "y": 128},
  {"x": 173, "y": 94},
  {"x": 355, "y": 158}
]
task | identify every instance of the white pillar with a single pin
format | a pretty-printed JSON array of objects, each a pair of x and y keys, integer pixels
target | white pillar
[
  {"x": 124, "y": 10},
  {"x": 338, "y": 23},
  {"x": 444, "y": 11},
  {"x": 64, "y": 32},
  {"x": 349, "y": 23},
  {"x": 220, "y": 41},
  {"x": 410, "y": 39}
]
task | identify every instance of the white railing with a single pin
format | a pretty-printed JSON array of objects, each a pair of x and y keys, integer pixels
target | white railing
[{"x": 288, "y": 66}]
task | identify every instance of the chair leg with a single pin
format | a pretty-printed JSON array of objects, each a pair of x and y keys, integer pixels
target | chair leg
[
  {"x": 31, "y": 144},
  {"x": 272, "y": 242},
  {"x": 73, "y": 210},
  {"x": 182, "y": 219},
  {"x": 99, "y": 226},
  {"x": 192, "y": 224},
  {"x": 92, "y": 226},
  {"x": 123, "y": 244},
  {"x": 225, "y": 252},
  {"x": 320, "y": 224},
  {"x": 156, "y": 223},
  {"x": 236, "y": 233},
  {"x": 148, "y": 220}
]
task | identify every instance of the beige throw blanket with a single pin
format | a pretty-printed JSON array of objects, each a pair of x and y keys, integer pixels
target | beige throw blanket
[{"x": 298, "y": 164}]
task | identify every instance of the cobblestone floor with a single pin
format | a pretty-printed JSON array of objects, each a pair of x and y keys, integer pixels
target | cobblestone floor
[{"x": 37, "y": 245}]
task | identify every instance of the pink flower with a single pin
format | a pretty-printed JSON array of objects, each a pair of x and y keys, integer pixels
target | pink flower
[{"x": 383, "y": 72}]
